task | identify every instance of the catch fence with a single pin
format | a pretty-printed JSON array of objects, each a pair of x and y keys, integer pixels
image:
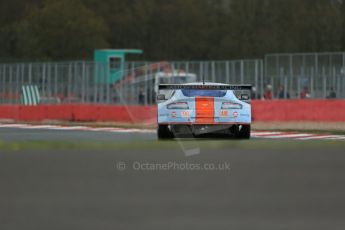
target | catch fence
[
  {"x": 90, "y": 82},
  {"x": 320, "y": 74}
]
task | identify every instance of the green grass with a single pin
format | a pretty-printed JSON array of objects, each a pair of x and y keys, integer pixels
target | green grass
[
  {"x": 168, "y": 145},
  {"x": 313, "y": 131}
]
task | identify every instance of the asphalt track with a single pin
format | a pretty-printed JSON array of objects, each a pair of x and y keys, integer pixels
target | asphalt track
[
  {"x": 16, "y": 134},
  {"x": 288, "y": 188},
  {"x": 24, "y": 132}
]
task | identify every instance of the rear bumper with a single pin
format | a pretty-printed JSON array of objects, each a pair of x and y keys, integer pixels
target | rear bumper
[
  {"x": 177, "y": 117},
  {"x": 199, "y": 129}
]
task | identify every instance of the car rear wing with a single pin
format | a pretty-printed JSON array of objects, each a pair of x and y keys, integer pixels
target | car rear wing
[
  {"x": 242, "y": 91},
  {"x": 203, "y": 87}
]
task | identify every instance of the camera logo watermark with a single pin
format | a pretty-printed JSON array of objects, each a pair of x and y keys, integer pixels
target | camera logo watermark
[{"x": 171, "y": 166}]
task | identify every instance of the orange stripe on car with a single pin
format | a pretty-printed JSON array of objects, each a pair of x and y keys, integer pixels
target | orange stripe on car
[{"x": 204, "y": 109}]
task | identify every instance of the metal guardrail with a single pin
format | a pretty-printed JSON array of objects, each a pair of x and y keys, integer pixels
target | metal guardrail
[
  {"x": 84, "y": 82},
  {"x": 321, "y": 74},
  {"x": 318, "y": 75}
]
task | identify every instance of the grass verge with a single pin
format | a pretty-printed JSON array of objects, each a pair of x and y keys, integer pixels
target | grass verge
[
  {"x": 309, "y": 127},
  {"x": 171, "y": 145}
]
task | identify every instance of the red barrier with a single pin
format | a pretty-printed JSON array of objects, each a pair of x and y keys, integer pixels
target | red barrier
[
  {"x": 32, "y": 113},
  {"x": 59, "y": 112},
  {"x": 274, "y": 110},
  {"x": 9, "y": 112},
  {"x": 84, "y": 112},
  {"x": 113, "y": 113},
  {"x": 299, "y": 110}
]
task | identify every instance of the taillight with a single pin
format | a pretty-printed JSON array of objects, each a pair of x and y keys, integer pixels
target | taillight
[
  {"x": 178, "y": 105},
  {"x": 231, "y": 105}
]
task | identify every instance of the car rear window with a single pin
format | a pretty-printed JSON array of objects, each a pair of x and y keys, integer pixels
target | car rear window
[{"x": 203, "y": 92}]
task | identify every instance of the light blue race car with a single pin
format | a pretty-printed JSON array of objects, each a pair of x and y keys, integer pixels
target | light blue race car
[{"x": 202, "y": 108}]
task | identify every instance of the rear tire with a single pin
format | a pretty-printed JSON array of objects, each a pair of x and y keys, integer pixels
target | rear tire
[
  {"x": 240, "y": 131},
  {"x": 243, "y": 132},
  {"x": 163, "y": 132}
]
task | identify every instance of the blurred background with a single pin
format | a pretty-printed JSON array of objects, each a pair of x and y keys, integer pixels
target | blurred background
[
  {"x": 169, "y": 29},
  {"x": 116, "y": 52},
  {"x": 78, "y": 86}
]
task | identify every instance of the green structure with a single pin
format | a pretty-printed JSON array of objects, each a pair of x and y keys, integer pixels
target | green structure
[
  {"x": 112, "y": 64},
  {"x": 30, "y": 95}
]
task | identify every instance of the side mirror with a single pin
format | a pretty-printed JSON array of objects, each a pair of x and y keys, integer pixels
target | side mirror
[{"x": 160, "y": 97}]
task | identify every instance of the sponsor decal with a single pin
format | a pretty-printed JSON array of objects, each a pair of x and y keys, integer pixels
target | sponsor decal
[
  {"x": 185, "y": 113},
  {"x": 224, "y": 113},
  {"x": 173, "y": 114},
  {"x": 163, "y": 114},
  {"x": 235, "y": 114}
]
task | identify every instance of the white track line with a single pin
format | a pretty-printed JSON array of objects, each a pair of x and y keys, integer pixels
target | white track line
[
  {"x": 317, "y": 137},
  {"x": 112, "y": 130},
  {"x": 13, "y": 125},
  {"x": 103, "y": 129},
  {"x": 256, "y": 134},
  {"x": 296, "y": 136},
  {"x": 337, "y": 138},
  {"x": 77, "y": 128},
  {"x": 293, "y": 136},
  {"x": 35, "y": 126},
  {"x": 69, "y": 128},
  {"x": 259, "y": 134}
]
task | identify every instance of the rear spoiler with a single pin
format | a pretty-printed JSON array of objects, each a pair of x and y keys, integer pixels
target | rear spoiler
[{"x": 208, "y": 87}]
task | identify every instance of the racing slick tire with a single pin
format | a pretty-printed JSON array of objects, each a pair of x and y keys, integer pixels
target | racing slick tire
[
  {"x": 242, "y": 132},
  {"x": 163, "y": 132}
]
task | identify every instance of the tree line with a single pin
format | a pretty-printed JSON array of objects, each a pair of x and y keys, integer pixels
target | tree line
[{"x": 169, "y": 29}]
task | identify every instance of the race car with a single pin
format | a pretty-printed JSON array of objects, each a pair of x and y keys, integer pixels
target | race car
[{"x": 195, "y": 109}]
